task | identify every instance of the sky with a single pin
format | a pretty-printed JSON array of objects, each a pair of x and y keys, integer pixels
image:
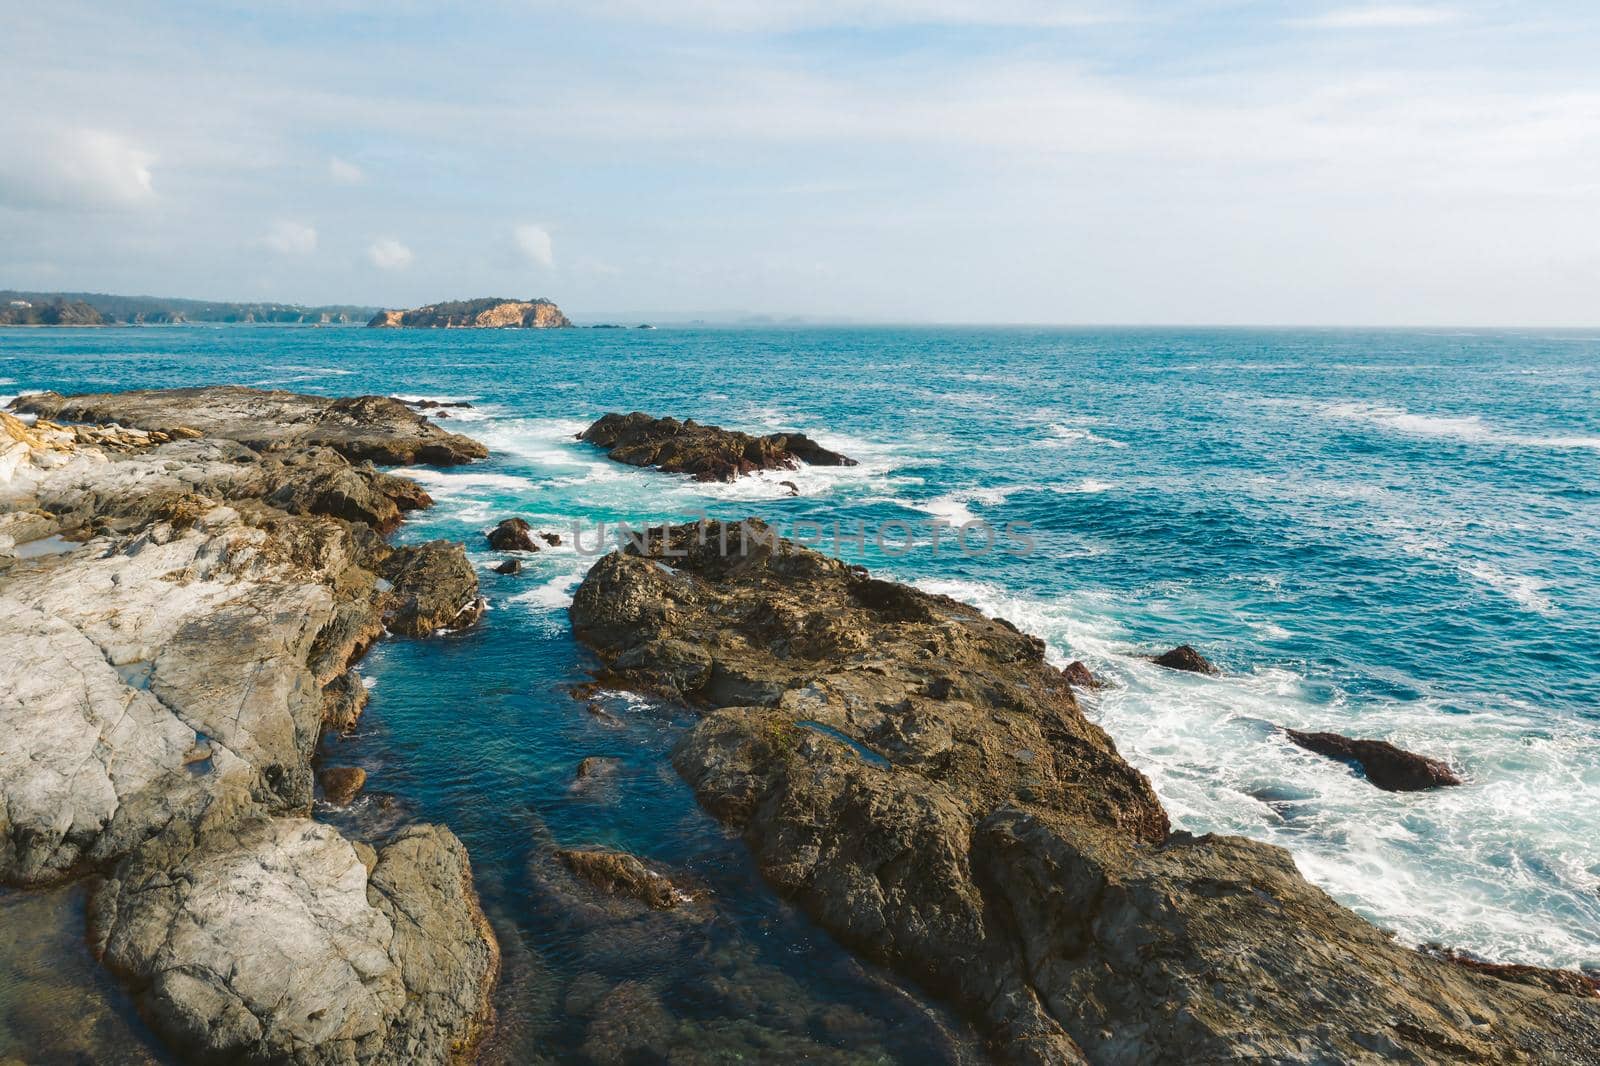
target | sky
[{"x": 978, "y": 161}]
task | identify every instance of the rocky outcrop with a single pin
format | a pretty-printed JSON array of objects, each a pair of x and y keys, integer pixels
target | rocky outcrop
[
  {"x": 923, "y": 783},
  {"x": 486, "y": 313},
  {"x": 708, "y": 453},
  {"x": 361, "y": 428},
  {"x": 434, "y": 588},
  {"x": 512, "y": 535},
  {"x": 277, "y": 940},
  {"x": 1390, "y": 768},
  {"x": 179, "y": 616},
  {"x": 1185, "y": 658}
]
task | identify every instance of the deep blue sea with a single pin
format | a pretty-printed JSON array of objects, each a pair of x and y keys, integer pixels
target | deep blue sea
[{"x": 1391, "y": 534}]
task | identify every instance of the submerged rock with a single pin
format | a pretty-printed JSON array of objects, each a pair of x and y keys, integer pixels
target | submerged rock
[
  {"x": 512, "y": 535},
  {"x": 709, "y": 453},
  {"x": 1045, "y": 896},
  {"x": 1183, "y": 657},
  {"x": 622, "y": 874},
  {"x": 1390, "y": 768}
]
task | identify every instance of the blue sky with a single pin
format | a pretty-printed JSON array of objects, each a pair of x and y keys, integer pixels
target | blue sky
[{"x": 911, "y": 160}]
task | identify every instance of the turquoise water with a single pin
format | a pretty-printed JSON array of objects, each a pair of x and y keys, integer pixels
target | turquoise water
[{"x": 1390, "y": 534}]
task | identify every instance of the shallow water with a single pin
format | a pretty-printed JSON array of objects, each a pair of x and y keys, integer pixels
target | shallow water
[{"x": 1388, "y": 534}]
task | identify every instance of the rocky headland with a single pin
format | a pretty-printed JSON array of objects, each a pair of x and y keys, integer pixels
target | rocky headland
[
  {"x": 922, "y": 781},
  {"x": 486, "y": 313},
  {"x": 707, "y": 453},
  {"x": 187, "y": 578}
]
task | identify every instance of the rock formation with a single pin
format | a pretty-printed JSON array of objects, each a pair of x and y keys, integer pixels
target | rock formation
[
  {"x": 180, "y": 610},
  {"x": 361, "y": 428},
  {"x": 485, "y": 313},
  {"x": 1185, "y": 658},
  {"x": 923, "y": 783},
  {"x": 1390, "y": 768},
  {"x": 512, "y": 535},
  {"x": 709, "y": 453}
]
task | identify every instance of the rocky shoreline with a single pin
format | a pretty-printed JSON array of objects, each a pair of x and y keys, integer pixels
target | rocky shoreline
[
  {"x": 924, "y": 784},
  {"x": 187, "y": 578}
]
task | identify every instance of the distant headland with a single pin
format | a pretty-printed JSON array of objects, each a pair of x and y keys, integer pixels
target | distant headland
[
  {"x": 485, "y": 313},
  {"x": 102, "y": 309}
]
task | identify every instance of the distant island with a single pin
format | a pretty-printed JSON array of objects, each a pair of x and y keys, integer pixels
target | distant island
[
  {"x": 485, "y": 313},
  {"x": 102, "y": 309}
]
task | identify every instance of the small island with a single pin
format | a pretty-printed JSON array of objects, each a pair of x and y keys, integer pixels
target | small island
[{"x": 485, "y": 313}]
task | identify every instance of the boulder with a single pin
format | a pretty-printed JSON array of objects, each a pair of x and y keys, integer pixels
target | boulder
[
  {"x": 434, "y": 588},
  {"x": 708, "y": 453},
  {"x": 1390, "y": 768},
  {"x": 924, "y": 784},
  {"x": 1183, "y": 657},
  {"x": 268, "y": 941},
  {"x": 1080, "y": 676},
  {"x": 552, "y": 539},
  {"x": 340, "y": 784},
  {"x": 509, "y": 566},
  {"x": 512, "y": 535}
]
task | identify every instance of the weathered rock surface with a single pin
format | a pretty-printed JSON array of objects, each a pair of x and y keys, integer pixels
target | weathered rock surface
[
  {"x": 269, "y": 940},
  {"x": 1390, "y": 768},
  {"x": 709, "y": 453},
  {"x": 165, "y": 674},
  {"x": 512, "y": 535},
  {"x": 1183, "y": 657},
  {"x": 361, "y": 428},
  {"x": 509, "y": 566},
  {"x": 341, "y": 784},
  {"x": 920, "y": 780},
  {"x": 485, "y": 313},
  {"x": 435, "y": 588}
]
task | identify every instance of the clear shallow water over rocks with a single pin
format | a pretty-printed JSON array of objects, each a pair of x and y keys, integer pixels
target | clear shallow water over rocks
[{"x": 1384, "y": 534}]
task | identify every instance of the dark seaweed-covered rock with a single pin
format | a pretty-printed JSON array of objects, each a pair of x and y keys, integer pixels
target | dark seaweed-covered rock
[
  {"x": 1183, "y": 657},
  {"x": 1390, "y": 768},
  {"x": 919, "y": 779},
  {"x": 708, "y": 453},
  {"x": 512, "y": 535}
]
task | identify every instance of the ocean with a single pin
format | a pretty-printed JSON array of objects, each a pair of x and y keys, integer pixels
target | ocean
[{"x": 1390, "y": 534}]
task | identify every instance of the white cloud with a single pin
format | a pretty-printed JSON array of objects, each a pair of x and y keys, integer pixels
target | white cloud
[
  {"x": 534, "y": 243},
  {"x": 78, "y": 168},
  {"x": 345, "y": 172},
  {"x": 291, "y": 238},
  {"x": 389, "y": 254},
  {"x": 745, "y": 15},
  {"x": 1379, "y": 17}
]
